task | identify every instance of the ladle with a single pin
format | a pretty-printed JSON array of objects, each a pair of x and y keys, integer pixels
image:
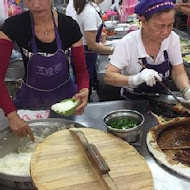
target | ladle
[{"x": 183, "y": 102}]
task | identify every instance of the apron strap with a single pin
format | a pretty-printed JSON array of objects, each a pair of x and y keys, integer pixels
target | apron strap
[
  {"x": 33, "y": 42},
  {"x": 166, "y": 57},
  {"x": 98, "y": 35},
  {"x": 57, "y": 36}
]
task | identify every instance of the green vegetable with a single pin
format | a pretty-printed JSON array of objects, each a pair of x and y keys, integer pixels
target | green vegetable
[
  {"x": 185, "y": 46},
  {"x": 66, "y": 107},
  {"x": 186, "y": 58},
  {"x": 123, "y": 123}
]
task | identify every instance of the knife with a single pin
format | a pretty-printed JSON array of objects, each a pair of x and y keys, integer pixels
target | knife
[
  {"x": 95, "y": 159},
  {"x": 92, "y": 152}
]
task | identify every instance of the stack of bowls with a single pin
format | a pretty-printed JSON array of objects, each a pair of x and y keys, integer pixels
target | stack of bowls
[
  {"x": 110, "y": 23},
  {"x": 122, "y": 28}
]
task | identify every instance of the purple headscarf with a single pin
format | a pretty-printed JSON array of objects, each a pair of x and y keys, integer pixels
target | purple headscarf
[{"x": 149, "y": 7}]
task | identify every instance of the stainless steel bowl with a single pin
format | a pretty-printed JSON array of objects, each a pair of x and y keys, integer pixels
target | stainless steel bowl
[{"x": 130, "y": 135}]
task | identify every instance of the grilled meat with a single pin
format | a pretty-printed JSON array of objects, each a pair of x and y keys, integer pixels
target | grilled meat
[{"x": 184, "y": 156}]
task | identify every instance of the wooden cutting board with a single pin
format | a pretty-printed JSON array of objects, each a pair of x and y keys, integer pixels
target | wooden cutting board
[{"x": 58, "y": 163}]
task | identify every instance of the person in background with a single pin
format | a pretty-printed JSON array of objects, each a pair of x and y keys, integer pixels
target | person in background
[
  {"x": 43, "y": 36},
  {"x": 70, "y": 11},
  {"x": 152, "y": 53},
  {"x": 91, "y": 26},
  {"x": 106, "y": 5},
  {"x": 109, "y": 5},
  {"x": 184, "y": 7},
  {"x": 188, "y": 24},
  {"x": 180, "y": 18}
]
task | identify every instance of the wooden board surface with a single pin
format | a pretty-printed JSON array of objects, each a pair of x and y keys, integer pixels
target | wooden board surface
[{"x": 58, "y": 163}]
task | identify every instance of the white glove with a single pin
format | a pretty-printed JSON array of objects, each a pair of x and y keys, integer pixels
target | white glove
[
  {"x": 146, "y": 75},
  {"x": 186, "y": 93}
]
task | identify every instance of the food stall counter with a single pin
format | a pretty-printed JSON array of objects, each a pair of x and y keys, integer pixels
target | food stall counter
[{"x": 164, "y": 179}]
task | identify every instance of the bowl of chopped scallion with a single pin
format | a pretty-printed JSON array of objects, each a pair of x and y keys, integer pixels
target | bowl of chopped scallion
[{"x": 125, "y": 124}]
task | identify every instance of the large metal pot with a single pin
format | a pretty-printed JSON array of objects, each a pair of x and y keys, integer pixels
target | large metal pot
[{"x": 9, "y": 143}]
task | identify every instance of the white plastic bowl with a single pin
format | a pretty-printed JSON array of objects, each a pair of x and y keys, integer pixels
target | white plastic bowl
[
  {"x": 122, "y": 30},
  {"x": 123, "y": 25},
  {"x": 110, "y": 23}
]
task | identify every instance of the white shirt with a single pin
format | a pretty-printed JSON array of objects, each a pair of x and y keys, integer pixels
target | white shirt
[
  {"x": 70, "y": 11},
  {"x": 89, "y": 19},
  {"x": 105, "y": 5},
  {"x": 130, "y": 48}
]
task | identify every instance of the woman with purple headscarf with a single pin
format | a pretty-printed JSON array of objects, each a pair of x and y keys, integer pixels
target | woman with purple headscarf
[{"x": 151, "y": 53}]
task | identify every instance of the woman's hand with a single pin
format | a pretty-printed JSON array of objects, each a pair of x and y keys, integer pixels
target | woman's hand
[
  {"x": 183, "y": 7},
  {"x": 103, "y": 37},
  {"x": 82, "y": 96},
  {"x": 19, "y": 126},
  {"x": 149, "y": 76}
]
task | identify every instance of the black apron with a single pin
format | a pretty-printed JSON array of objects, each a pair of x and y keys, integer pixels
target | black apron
[
  {"x": 91, "y": 60},
  {"x": 143, "y": 91}
]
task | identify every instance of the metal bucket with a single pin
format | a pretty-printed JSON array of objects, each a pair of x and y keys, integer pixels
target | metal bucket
[
  {"x": 14, "y": 76},
  {"x": 9, "y": 143},
  {"x": 13, "y": 85}
]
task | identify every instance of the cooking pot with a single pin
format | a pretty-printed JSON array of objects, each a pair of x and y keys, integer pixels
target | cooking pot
[{"x": 9, "y": 143}]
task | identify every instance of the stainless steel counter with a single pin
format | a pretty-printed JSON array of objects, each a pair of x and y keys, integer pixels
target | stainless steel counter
[
  {"x": 164, "y": 179},
  {"x": 182, "y": 34}
]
